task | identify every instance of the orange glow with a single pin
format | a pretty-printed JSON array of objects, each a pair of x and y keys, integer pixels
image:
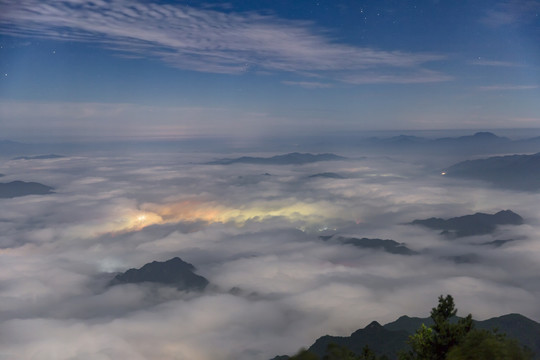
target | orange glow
[
  {"x": 189, "y": 210},
  {"x": 211, "y": 212}
]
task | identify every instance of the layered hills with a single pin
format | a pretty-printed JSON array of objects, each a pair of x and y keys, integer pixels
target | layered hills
[
  {"x": 517, "y": 172},
  {"x": 468, "y": 225},
  {"x": 390, "y": 246},
  {"x": 478, "y": 143}
]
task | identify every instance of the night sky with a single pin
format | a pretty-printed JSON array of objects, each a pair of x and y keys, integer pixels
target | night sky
[{"x": 77, "y": 68}]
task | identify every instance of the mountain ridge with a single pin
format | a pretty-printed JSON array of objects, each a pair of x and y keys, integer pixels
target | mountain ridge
[
  {"x": 516, "y": 172},
  {"x": 294, "y": 158},
  {"x": 390, "y": 246},
  {"x": 392, "y": 337},
  {"x": 469, "y": 225},
  {"x": 19, "y": 188}
]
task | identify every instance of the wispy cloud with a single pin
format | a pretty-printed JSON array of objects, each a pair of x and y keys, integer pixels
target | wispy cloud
[
  {"x": 507, "y": 87},
  {"x": 409, "y": 77},
  {"x": 482, "y": 62},
  {"x": 308, "y": 84},
  {"x": 511, "y": 12},
  {"x": 204, "y": 39}
]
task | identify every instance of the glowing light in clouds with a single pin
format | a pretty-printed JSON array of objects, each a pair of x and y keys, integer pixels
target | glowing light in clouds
[{"x": 211, "y": 212}]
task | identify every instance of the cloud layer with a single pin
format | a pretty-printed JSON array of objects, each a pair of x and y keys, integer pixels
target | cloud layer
[
  {"x": 254, "y": 234},
  {"x": 208, "y": 40}
]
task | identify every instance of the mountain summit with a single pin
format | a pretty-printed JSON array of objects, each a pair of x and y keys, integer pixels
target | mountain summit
[
  {"x": 171, "y": 272},
  {"x": 468, "y": 225}
]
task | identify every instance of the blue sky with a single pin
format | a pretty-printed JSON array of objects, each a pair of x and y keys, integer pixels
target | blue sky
[{"x": 79, "y": 68}]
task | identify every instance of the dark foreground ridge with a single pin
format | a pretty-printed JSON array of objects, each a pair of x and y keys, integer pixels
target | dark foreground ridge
[
  {"x": 286, "y": 159},
  {"x": 391, "y": 338},
  {"x": 517, "y": 172},
  {"x": 171, "y": 272},
  {"x": 468, "y": 225},
  {"x": 389, "y": 246},
  {"x": 21, "y": 188}
]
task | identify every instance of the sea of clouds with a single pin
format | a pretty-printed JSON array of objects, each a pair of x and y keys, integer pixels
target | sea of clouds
[{"x": 254, "y": 232}]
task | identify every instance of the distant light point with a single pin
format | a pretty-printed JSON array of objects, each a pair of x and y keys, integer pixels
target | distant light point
[{"x": 443, "y": 173}]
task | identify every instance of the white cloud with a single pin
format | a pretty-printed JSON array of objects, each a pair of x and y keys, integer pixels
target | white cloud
[
  {"x": 511, "y": 12},
  {"x": 206, "y": 40},
  {"x": 409, "y": 77},
  {"x": 308, "y": 84},
  {"x": 294, "y": 287},
  {"x": 507, "y": 87},
  {"x": 485, "y": 62}
]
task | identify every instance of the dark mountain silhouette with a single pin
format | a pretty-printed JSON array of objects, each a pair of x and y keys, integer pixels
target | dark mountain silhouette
[
  {"x": 329, "y": 175},
  {"x": 21, "y": 188},
  {"x": 478, "y": 143},
  {"x": 391, "y": 338},
  {"x": 408, "y": 324},
  {"x": 389, "y": 246},
  {"x": 39, "y": 157},
  {"x": 379, "y": 339},
  {"x": 468, "y": 225},
  {"x": 287, "y": 159},
  {"x": 464, "y": 258},
  {"x": 174, "y": 272},
  {"x": 482, "y": 137},
  {"x": 518, "y": 172},
  {"x": 516, "y": 326},
  {"x": 498, "y": 243}
]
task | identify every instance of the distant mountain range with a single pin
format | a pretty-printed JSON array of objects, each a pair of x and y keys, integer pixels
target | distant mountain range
[
  {"x": 468, "y": 225},
  {"x": 174, "y": 272},
  {"x": 479, "y": 143},
  {"x": 389, "y": 246},
  {"x": 391, "y": 338},
  {"x": 519, "y": 172},
  {"x": 286, "y": 159},
  {"x": 39, "y": 157},
  {"x": 21, "y": 188}
]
